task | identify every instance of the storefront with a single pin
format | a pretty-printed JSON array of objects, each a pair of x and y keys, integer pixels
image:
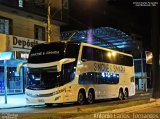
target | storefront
[
  {"x": 15, "y": 81},
  {"x": 15, "y": 51}
]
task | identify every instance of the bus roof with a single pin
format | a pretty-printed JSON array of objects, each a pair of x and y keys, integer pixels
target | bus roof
[
  {"x": 98, "y": 47},
  {"x": 90, "y": 45}
]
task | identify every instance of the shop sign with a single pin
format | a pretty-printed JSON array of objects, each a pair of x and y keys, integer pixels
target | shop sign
[
  {"x": 22, "y": 55},
  {"x": 22, "y": 44}
]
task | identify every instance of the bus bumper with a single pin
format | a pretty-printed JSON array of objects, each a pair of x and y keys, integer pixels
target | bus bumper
[{"x": 43, "y": 100}]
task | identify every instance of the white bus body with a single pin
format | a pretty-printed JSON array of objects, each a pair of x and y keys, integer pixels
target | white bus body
[{"x": 92, "y": 73}]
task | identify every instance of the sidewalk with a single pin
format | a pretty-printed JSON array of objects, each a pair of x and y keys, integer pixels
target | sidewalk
[{"x": 13, "y": 101}]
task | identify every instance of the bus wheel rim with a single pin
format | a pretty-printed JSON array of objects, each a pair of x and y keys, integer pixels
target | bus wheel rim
[
  {"x": 120, "y": 96},
  {"x": 90, "y": 98},
  {"x": 125, "y": 95},
  {"x": 80, "y": 98}
]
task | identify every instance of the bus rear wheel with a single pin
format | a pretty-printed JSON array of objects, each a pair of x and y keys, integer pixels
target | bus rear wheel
[
  {"x": 49, "y": 104},
  {"x": 91, "y": 97},
  {"x": 81, "y": 98},
  {"x": 121, "y": 95},
  {"x": 126, "y": 95}
]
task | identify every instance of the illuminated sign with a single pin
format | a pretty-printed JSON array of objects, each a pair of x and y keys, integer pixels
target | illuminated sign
[
  {"x": 45, "y": 53},
  {"x": 149, "y": 57},
  {"x": 6, "y": 55},
  {"x": 20, "y": 3},
  {"x": 22, "y": 55}
]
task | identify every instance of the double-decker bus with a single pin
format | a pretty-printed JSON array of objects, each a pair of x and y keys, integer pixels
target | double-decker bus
[{"x": 62, "y": 72}]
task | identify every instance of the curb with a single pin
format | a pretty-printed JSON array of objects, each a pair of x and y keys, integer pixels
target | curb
[
  {"x": 19, "y": 106},
  {"x": 133, "y": 108},
  {"x": 122, "y": 110}
]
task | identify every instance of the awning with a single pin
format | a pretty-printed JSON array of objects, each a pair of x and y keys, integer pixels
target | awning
[{"x": 12, "y": 63}]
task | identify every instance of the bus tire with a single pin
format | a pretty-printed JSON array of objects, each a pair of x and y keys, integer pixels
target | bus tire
[
  {"x": 121, "y": 94},
  {"x": 60, "y": 104},
  {"x": 91, "y": 97},
  {"x": 81, "y": 97},
  {"x": 126, "y": 94},
  {"x": 49, "y": 104}
]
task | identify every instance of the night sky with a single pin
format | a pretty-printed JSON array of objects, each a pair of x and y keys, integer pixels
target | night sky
[{"x": 120, "y": 14}]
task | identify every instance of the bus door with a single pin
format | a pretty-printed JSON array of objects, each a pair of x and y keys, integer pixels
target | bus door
[{"x": 69, "y": 75}]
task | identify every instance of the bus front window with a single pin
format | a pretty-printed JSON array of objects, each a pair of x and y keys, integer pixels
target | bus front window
[{"x": 43, "y": 78}]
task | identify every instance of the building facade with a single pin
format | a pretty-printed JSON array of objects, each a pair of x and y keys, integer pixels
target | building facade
[
  {"x": 143, "y": 74},
  {"x": 23, "y": 24}
]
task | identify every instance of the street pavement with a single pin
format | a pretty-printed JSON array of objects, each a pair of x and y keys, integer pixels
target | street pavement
[
  {"x": 145, "y": 111},
  {"x": 18, "y": 101}
]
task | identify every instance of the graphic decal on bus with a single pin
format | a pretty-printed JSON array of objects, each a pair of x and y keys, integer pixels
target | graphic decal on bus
[{"x": 101, "y": 67}]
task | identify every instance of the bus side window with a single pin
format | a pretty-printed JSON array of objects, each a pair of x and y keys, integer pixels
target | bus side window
[
  {"x": 70, "y": 53},
  {"x": 98, "y": 55},
  {"x": 84, "y": 54},
  {"x": 82, "y": 78},
  {"x": 87, "y": 53},
  {"x": 69, "y": 72}
]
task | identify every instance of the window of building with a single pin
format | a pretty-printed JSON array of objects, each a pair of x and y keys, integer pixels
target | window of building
[
  {"x": 39, "y": 32},
  {"x": 5, "y": 25}
]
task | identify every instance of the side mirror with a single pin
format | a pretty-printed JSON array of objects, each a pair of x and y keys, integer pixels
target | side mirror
[
  {"x": 64, "y": 61},
  {"x": 19, "y": 67}
]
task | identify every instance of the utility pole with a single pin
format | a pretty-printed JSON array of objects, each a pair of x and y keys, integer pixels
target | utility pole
[
  {"x": 49, "y": 22},
  {"x": 5, "y": 80},
  {"x": 155, "y": 36}
]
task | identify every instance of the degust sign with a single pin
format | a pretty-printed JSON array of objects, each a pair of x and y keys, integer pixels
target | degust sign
[{"x": 22, "y": 43}]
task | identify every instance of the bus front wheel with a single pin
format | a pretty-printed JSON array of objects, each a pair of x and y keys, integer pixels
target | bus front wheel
[{"x": 81, "y": 98}]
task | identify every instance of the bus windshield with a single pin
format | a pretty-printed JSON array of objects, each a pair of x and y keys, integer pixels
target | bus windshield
[
  {"x": 43, "y": 78},
  {"x": 48, "y": 77}
]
